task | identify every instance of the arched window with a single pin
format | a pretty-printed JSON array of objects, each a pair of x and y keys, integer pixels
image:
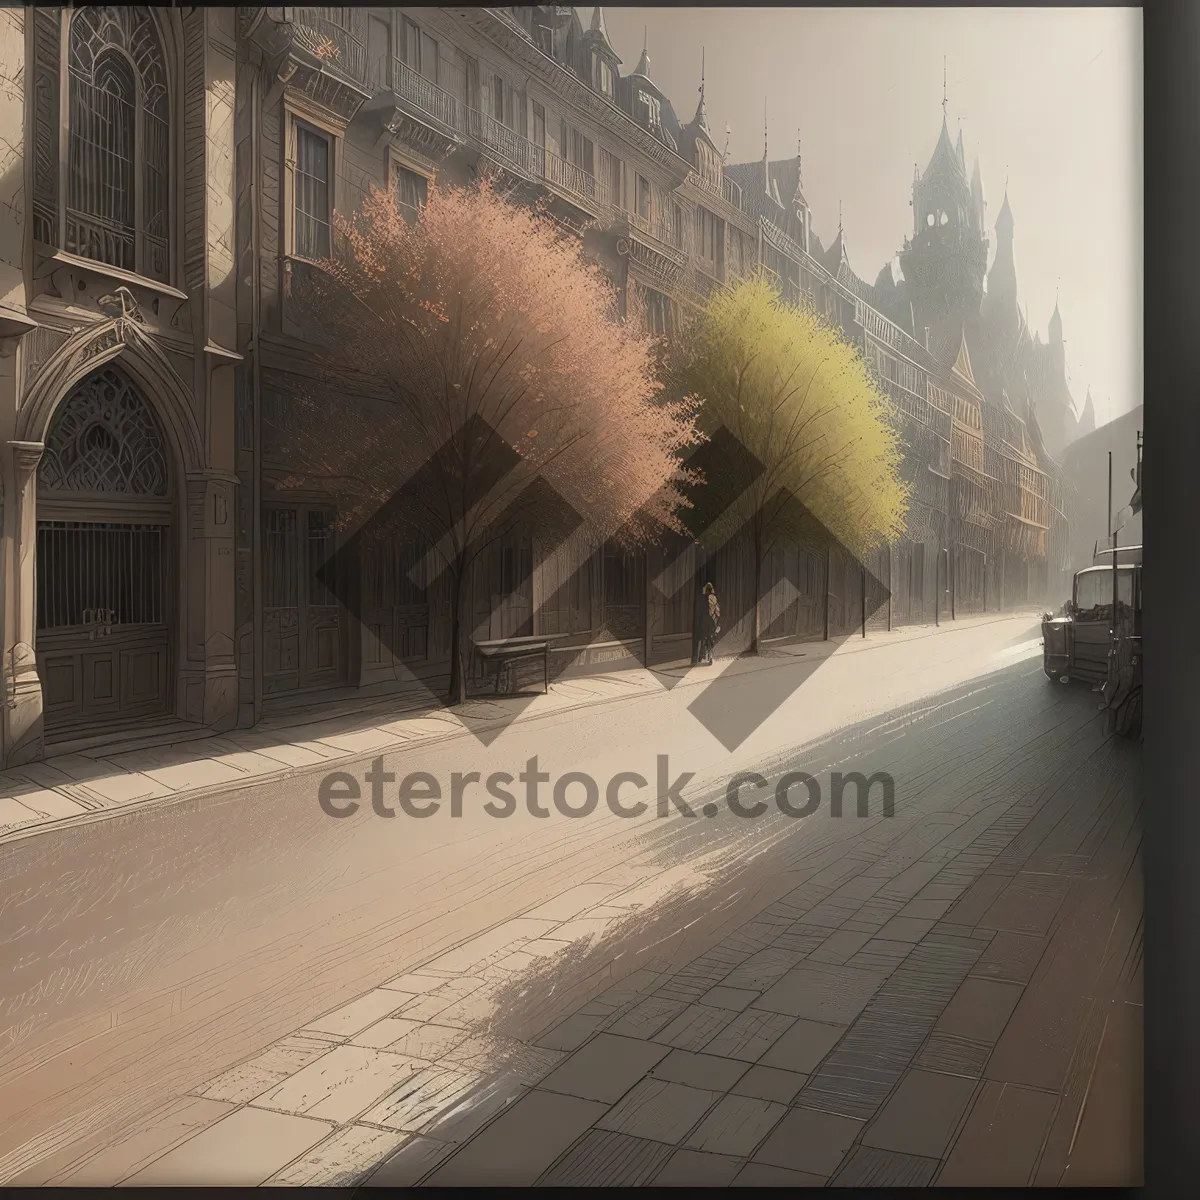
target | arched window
[
  {"x": 119, "y": 143},
  {"x": 105, "y": 439}
]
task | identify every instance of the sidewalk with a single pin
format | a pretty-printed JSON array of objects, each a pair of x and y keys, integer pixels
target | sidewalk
[
  {"x": 951, "y": 996},
  {"x": 157, "y": 767}
]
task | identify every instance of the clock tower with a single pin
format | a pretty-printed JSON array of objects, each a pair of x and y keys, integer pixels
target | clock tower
[{"x": 945, "y": 259}]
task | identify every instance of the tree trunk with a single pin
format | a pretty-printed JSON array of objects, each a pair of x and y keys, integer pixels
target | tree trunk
[{"x": 457, "y": 691}]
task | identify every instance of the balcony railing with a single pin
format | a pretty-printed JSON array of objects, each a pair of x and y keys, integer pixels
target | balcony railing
[
  {"x": 658, "y": 227},
  {"x": 427, "y": 96},
  {"x": 335, "y": 35}
]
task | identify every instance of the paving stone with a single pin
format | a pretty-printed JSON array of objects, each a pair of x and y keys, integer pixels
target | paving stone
[
  {"x": 694, "y": 1027},
  {"x": 354, "y": 1017},
  {"x": 647, "y": 1018},
  {"x": 749, "y": 1035},
  {"x": 605, "y": 1068},
  {"x": 736, "y": 1125},
  {"x": 341, "y": 1160},
  {"x": 803, "y": 1047},
  {"x": 520, "y": 1144},
  {"x": 429, "y": 1095},
  {"x": 604, "y": 1159},
  {"x": 340, "y": 1085},
  {"x": 700, "y": 1070},
  {"x": 1011, "y": 957},
  {"x": 880, "y": 955},
  {"x": 571, "y": 1033},
  {"x": 868, "y": 1167},
  {"x": 931, "y": 910},
  {"x": 412, "y": 1039},
  {"x": 243, "y": 1149},
  {"x": 415, "y": 983},
  {"x": 415, "y": 1158},
  {"x": 921, "y": 1115},
  {"x": 840, "y": 947},
  {"x": 757, "y": 1174},
  {"x": 761, "y": 970},
  {"x": 859, "y": 1074},
  {"x": 660, "y": 1110},
  {"x": 691, "y": 1168},
  {"x": 770, "y": 1083},
  {"x": 820, "y": 992},
  {"x": 730, "y": 998},
  {"x": 240, "y": 1084},
  {"x": 953, "y": 1055},
  {"x": 906, "y": 929},
  {"x": 810, "y": 1141},
  {"x": 1027, "y": 905},
  {"x": 1001, "y": 1138},
  {"x": 980, "y": 1009}
]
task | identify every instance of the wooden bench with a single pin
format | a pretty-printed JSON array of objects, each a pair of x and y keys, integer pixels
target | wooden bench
[{"x": 504, "y": 652}]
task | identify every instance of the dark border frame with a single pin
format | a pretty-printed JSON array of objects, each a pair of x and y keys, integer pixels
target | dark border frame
[{"x": 1172, "y": 675}]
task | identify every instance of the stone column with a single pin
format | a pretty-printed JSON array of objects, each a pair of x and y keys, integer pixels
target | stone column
[
  {"x": 208, "y": 675},
  {"x": 23, "y": 688}
]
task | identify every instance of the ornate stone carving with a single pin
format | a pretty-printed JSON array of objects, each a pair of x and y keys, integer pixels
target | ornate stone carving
[{"x": 105, "y": 438}]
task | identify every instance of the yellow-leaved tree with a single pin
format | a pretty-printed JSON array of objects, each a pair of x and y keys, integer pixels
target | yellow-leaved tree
[{"x": 804, "y": 406}]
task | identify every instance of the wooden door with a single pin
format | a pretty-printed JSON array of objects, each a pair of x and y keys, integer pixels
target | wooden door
[{"x": 302, "y": 619}]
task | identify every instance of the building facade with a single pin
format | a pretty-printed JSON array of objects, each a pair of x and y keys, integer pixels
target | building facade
[{"x": 168, "y": 170}]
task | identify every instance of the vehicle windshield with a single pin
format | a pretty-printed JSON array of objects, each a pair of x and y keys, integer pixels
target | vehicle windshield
[{"x": 1094, "y": 590}]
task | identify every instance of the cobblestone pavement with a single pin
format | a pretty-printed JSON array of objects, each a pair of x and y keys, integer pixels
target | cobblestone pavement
[{"x": 951, "y": 995}]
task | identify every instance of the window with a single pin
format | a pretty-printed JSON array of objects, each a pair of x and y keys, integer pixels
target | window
[
  {"x": 658, "y": 312},
  {"x": 412, "y": 190},
  {"x": 677, "y": 226},
  {"x": 602, "y": 76},
  {"x": 650, "y": 109},
  {"x": 581, "y": 152},
  {"x": 119, "y": 141},
  {"x": 379, "y": 51},
  {"x": 472, "y": 84},
  {"x": 539, "y": 126},
  {"x": 498, "y": 98},
  {"x": 710, "y": 234},
  {"x": 643, "y": 198},
  {"x": 610, "y": 178},
  {"x": 312, "y": 193},
  {"x": 429, "y": 58},
  {"x": 412, "y": 45}
]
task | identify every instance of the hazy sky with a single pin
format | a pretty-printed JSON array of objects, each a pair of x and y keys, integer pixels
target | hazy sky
[{"x": 1052, "y": 97}]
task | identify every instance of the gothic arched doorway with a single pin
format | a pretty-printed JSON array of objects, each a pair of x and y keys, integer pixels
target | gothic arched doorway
[{"x": 105, "y": 560}]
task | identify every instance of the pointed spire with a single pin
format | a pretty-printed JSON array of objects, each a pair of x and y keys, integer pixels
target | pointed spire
[
  {"x": 598, "y": 33},
  {"x": 962, "y": 154},
  {"x": 839, "y": 218},
  {"x": 766, "y": 168},
  {"x": 944, "y": 101},
  {"x": 728, "y": 134},
  {"x": 643, "y": 67},
  {"x": 798, "y": 197},
  {"x": 701, "y": 118}
]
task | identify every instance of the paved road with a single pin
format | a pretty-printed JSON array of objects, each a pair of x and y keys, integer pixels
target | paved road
[{"x": 147, "y": 954}]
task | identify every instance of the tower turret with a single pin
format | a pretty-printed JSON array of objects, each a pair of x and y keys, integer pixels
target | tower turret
[
  {"x": 1000, "y": 303},
  {"x": 945, "y": 261}
]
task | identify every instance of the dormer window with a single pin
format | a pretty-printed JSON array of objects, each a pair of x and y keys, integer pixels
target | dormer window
[
  {"x": 652, "y": 109},
  {"x": 944, "y": 219},
  {"x": 603, "y": 79}
]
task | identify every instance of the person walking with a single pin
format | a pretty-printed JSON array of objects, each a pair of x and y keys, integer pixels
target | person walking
[{"x": 712, "y": 625}]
